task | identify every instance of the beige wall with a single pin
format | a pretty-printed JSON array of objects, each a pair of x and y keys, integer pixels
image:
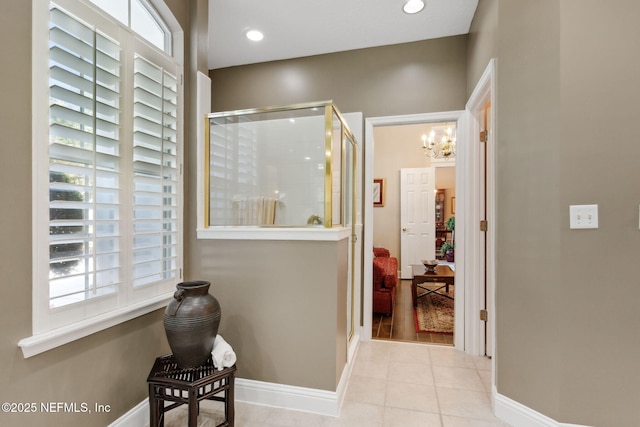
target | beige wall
[
  {"x": 398, "y": 147},
  {"x": 483, "y": 41},
  {"x": 109, "y": 367},
  {"x": 378, "y": 81},
  {"x": 566, "y": 342},
  {"x": 593, "y": 89},
  {"x": 529, "y": 319},
  {"x": 425, "y": 76},
  {"x": 280, "y": 307}
]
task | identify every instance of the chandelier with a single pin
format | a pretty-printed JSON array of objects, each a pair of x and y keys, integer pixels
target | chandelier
[{"x": 445, "y": 149}]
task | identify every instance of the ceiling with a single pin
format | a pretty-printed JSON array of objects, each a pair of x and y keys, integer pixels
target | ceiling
[{"x": 297, "y": 28}]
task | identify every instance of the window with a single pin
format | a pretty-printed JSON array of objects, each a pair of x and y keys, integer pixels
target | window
[
  {"x": 155, "y": 173},
  {"x": 141, "y": 18},
  {"x": 85, "y": 163},
  {"x": 107, "y": 171}
]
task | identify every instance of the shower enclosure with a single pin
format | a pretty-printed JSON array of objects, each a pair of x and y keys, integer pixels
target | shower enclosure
[{"x": 287, "y": 166}]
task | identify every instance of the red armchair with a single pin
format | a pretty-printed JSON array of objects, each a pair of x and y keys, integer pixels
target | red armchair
[{"x": 385, "y": 279}]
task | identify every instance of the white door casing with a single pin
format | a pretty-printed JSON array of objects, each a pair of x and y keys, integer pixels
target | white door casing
[
  {"x": 417, "y": 217},
  {"x": 480, "y": 254},
  {"x": 483, "y": 116}
]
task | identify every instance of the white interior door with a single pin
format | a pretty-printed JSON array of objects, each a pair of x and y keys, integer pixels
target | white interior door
[{"x": 417, "y": 217}]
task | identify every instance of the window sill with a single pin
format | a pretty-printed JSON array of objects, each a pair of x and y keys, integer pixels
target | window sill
[
  {"x": 40, "y": 343},
  {"x": 275, "y": 233}
]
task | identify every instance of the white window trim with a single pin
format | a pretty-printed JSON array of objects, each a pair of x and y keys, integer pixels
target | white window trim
[
  {"x": 40, "y": 343},
  {"x": 44, "y": 341},
  {"x": 168, "y": 42}
]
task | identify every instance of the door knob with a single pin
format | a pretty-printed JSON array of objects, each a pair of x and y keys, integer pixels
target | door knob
[{"x": 404, "y": 228}]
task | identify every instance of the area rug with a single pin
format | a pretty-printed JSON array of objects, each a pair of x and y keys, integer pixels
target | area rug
[{"x": 434, "y": 313}]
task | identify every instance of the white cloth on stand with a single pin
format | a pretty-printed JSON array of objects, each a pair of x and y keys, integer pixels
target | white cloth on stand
[{"x": 222, "y": 354}]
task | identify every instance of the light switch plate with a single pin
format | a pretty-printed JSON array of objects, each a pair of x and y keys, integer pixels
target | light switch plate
[{"x": 583, "y": 216}]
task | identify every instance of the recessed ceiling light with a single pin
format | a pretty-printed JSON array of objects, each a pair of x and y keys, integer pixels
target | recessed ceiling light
[
  {"x": 413, "y": 6},
  {"x": 254, "y": 35}
]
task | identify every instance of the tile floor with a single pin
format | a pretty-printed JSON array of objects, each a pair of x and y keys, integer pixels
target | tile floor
[
  {"x": 401, "y": 324},
  {"x": 392, "y": 384}
]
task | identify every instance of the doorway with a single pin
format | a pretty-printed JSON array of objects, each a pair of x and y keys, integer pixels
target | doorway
[
  {"x": 423, "y": 210},
  {"x": 468, "y": 326},
  {"x": 420, "y": 199},
  {"x": 371, "y": 123}
]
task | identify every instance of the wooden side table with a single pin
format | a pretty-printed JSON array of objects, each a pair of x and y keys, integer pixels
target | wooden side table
[
  {"x": 168, "y": 382},
  {"x": 443, "y": 274}
]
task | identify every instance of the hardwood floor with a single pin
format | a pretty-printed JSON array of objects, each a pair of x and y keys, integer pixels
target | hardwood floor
[{"x": 400, "y": 326}]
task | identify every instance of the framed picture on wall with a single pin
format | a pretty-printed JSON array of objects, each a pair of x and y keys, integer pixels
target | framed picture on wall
[
  {"x": 378, "y": 192},
  {"x": 453, "y": 205}
]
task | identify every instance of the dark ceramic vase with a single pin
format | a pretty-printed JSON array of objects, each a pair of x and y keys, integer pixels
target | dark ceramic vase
[
  {"x": 191, "y": 323},
  {"x": 450, "y": 255}
]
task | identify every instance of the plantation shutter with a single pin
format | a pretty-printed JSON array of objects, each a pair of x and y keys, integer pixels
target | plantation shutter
[
  {"x": 156, "y": 173},
  {"x": 107, "y": 179},
  {"x": 84, "y": 161}
]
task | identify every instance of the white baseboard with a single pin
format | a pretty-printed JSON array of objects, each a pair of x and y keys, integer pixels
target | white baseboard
[
  {"x": 288, "y": 397},
  {"x": 295, "y": 398},
  {"x": 263, "y": 393},
  {"x": 136, "y": 417},
  {"x": 517, "y": 414}
]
